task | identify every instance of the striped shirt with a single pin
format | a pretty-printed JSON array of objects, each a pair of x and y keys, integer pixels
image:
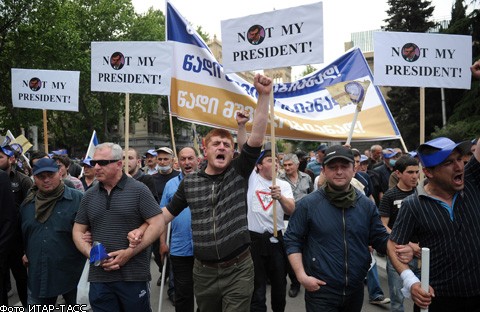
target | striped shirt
[
  {"x": 111, "y": 217},
  {"x": 451, "y": 234},
  {"x": 218, "y": 206},
  {"x": 390, "y": 203}
]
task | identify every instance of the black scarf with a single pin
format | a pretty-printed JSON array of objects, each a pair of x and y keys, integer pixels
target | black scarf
[
  {"x": 340, "y": 199},
  {"x": 44, "y": 202}
]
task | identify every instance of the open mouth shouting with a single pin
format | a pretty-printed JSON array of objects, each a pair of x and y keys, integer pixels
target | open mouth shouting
[
  {"x": 458, "y": 180},
  {"x": 188, "y": 169},
  {"x": 220, "y": 157}
]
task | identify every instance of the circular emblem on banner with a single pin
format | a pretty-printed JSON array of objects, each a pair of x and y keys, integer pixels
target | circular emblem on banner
[{"x": 355, "y": 91}]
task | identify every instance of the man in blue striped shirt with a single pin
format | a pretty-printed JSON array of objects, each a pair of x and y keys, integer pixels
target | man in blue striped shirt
[{"x": 444, "y": 216}]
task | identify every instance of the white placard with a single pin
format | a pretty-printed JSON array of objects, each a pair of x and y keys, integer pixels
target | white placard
[
  {"x": 274, "y": 39},
  {"x": 422, "y": 60},
  {"x": 45, "y": 89},
  {"x": 131, "y": 67}
]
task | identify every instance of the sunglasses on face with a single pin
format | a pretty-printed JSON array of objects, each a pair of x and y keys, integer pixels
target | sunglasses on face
[{"x": 102, "y": 162}]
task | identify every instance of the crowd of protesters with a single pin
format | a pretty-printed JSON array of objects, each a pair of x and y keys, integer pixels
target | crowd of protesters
[{"x": 237, "y": 227}]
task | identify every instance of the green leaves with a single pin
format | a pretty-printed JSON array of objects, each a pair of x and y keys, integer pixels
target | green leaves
[{"x": 56, "y": 35}]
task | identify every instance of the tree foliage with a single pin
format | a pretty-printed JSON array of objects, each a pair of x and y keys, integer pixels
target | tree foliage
[
  {"x": 463, "y": 112},
  {"x": 57, "y": 35},
  {"x": 414, "y": 16},
  {"x": 409, "y": 15}
]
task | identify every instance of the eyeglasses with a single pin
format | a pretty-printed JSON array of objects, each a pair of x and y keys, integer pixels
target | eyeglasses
[{"x": 102, "y": 162}]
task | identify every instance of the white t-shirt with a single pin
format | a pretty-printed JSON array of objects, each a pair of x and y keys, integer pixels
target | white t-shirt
[{"x": 259, "y": 201}]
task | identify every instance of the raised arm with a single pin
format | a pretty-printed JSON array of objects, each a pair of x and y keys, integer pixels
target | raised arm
[
  {"x": 263, "y": 85},
  {"x": 242, "y": 118}
]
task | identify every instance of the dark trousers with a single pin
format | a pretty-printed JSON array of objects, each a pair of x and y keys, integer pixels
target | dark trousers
[
  {"x": 292, "y": 276},
  {"x": 182, "y": 268},
  {"x": 70, "y": 298},
  {"x": 19, "y": 272},
  {"x": 156, "y": 255},
  {"x": 3, "y": 283},
  {"x": 120, "y": 296},
  {"x": 455, "y": 304},
  {"x": 270, "y": 262},
  {"x": 328, "y": 302}
]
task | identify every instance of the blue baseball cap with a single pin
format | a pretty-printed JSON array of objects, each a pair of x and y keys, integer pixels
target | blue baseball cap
[
  {"x": 321, "y": 147},
  {"x": 45, "y": 164},
  {"x": 60, "y": 152},
  {"x": 434, "y": 152},
  {"x": 7, "y": 150},
  {"x": 389, "y": 153},
  {"x": 86, "y": 161},
  {"x": 151, "y": 152},
  {"x": 363, "y": 158}
]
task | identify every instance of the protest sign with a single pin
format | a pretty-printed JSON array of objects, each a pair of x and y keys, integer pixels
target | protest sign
[
  {"x": 131, "y": 67},
  {"x": 45, "y": 89},
  {"x": 422, "y": 60},
  {"x": 279, "y": 38}
]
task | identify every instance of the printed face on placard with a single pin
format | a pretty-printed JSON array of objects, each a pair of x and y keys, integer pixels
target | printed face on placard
[
  {"x": 117, "y": 60},
  {"x": 35, "y": 84},
  {"x": 410, "y": 52},
  {"x": 256, "y": 34}
]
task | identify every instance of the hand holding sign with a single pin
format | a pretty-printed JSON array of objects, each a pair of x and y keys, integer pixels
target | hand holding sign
[{"x": 476, "y": 69}]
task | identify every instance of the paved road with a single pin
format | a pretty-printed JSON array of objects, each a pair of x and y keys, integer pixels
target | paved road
[{"x": 293, "y": 304}]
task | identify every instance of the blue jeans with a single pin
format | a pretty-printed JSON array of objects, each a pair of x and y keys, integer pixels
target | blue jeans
[
  {"x": 70, "y": 298},
  {"x": 328, "y": 302},
  {"x": 373, "y": 284},
  {"x": 120, "y": 296},
  {"x": 395, "y": 284}
]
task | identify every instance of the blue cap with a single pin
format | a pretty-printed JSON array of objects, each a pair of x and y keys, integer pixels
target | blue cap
[
  {"x": 45, "y": 164},
  {"x": 363, "y": 158},
  {"x": 389, "y": 153},
  {"x": 413, "y": 153},
  {"x": 151, "y": 152},
  {"x": 7, "y": 151},
  {"x": 321, "y": 147},
  {"x": 60, "y": 152},
  {"x": 86, "y": 161},
  {"x": 434, "y": 152}
]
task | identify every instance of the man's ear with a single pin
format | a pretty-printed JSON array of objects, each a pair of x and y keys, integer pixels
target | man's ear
[{"x": 428, "y": 172}]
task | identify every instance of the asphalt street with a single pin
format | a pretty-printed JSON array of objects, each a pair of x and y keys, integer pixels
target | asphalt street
[{"x": 296, "y": 304}]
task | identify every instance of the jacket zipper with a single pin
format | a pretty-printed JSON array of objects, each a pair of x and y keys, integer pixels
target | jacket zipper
[{"x": 214, "y": 220}]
